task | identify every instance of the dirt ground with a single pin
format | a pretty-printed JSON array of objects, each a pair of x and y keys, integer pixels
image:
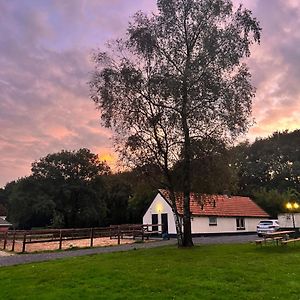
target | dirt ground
[
  {"x": 50, "y": 246},
  {"x": 4, "y": 253}
]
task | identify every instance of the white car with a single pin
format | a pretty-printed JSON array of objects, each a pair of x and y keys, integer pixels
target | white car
[{"x": 267, "y": 226}]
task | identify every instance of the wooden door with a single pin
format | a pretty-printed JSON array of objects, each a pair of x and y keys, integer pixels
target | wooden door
[{"x": 164, "y": 222}]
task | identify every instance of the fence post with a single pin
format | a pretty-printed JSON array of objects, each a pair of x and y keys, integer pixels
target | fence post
[
  {"x": 92, "y": 236},
  {"x": 119, "y": 237},
  {"x": 24, "y": 242},
  {"x": 13, "y": 242},
  {"x": 110, "y": 232},
  {"x": 142, "y": 232},
  {"x": 60, "y": 239},
  {"x": 133, "y": 232}
]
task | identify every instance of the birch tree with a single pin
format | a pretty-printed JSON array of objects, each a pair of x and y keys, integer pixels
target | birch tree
[{"x": 177, "y": 77}]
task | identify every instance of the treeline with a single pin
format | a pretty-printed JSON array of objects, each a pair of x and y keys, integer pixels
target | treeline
[
  {"x": 269, "y": 170},
  {"x": 76, "y": 189}
]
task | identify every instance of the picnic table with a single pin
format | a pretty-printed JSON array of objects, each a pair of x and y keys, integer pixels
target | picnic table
[{"x": 276, "y": 236}]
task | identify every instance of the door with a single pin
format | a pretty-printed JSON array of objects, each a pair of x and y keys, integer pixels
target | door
[
  {"x": 154, "y": 221},
  {"x": 164, "y": 222}
]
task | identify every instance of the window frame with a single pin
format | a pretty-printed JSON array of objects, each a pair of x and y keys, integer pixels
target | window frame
[
  {"x": 212, "y": 221},
  {"x": 240, "y": 223}
]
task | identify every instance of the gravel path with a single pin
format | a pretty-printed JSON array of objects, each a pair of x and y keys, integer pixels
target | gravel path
[{"x": 30, "y": 258}]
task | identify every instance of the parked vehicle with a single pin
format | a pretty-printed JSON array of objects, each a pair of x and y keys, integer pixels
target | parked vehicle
[{"x": 267, "y": 226}]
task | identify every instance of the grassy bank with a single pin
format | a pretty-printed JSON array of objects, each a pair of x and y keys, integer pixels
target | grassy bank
[{"x": 204, "y": 272}]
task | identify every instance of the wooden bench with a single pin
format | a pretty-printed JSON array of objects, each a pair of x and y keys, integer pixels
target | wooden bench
[
  {"x": 258, "y": 242},
  {"x": 275, "y": 239},
  {"x": 290, "y": 241},
  {"x": 278, "y": 239}
]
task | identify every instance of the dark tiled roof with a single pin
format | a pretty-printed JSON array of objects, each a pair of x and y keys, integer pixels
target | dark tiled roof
[
  {"x": 4, "y": 222},
  {"x": 218, "y": 205}
]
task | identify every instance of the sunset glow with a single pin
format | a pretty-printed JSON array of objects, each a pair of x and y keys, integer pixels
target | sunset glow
[{"x": 110, "y": 158}]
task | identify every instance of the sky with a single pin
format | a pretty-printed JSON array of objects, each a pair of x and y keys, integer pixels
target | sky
[{"x": 45, "y": 65}]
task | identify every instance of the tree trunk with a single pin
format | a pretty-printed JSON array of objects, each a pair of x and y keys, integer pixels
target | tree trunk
[
  {"x": 178, "y": 224},
  {"x": 172, "y": 197},
  {"x": 187, "y": 230}
]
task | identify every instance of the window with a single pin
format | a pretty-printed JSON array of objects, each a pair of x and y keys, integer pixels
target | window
[
  {"x": 212, "y": 221},
  {"x": 240, "y": 223},
  {"x": 265, "y": 223}
]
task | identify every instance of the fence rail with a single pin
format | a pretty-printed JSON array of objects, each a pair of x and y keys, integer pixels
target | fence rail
[{"x": 143, "y": 231}]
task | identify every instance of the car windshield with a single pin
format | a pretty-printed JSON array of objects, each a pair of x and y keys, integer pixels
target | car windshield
[{"x": 265, "y": 223}]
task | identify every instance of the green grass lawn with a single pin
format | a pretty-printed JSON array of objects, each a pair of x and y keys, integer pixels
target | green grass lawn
[{"x": 203, "y": 272}]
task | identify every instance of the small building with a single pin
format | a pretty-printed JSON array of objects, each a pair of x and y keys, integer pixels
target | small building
[
  {"x": 289, "y": 220},
  {"x": 211, "y": 214},
  {"x": 4, "y": 225}
]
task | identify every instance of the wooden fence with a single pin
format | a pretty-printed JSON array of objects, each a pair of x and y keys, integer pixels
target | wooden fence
[{"x": 143, "y": 231}]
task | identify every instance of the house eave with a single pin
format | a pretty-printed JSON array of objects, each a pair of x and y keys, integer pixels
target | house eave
[{"x": 228, "y": 216}]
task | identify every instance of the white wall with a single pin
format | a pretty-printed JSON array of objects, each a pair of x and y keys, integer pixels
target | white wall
[
  {"x": 286, "y": 220},
  {"x": 160, "y": 206},
  {"x": 224, "y": 224},
  {"x": 199, "y": 224}
]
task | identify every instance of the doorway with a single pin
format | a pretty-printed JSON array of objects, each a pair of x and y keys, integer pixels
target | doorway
[
  {"x": 164, "y": 222},
  {"x": 155, "y": 221}
]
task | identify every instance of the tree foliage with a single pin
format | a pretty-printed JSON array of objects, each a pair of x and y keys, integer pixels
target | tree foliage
[
  {"x": 66, "y": 189},
  {"x": 70, "y": 166},
  {"x": 274, "y": 201},
  {"x": 119, "y": 192},
  {"x": 177, "y": 78},
  {"x": 212, "y": 169},
  {"x": 271, "y": 163},
  {"x": 3, "y": 202},
  {"x": 269, "y": 170},
  {"x": 140, "y": 201},
  {"x": 30, "y": 204}
]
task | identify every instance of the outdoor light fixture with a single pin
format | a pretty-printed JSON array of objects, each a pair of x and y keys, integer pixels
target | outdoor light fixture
[
  {"x": 159, "y": 207},
  {"x": 292, "y": 207}
]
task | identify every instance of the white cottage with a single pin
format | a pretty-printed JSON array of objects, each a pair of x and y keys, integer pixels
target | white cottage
[
  {"x": 289, "y": 220},
  {"x": 211, "y": 214}
]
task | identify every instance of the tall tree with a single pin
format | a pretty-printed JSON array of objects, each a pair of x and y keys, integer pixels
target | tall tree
[
  {"x": 75, "y": 183},
  {"x": 66, "y": 189},
  {"x": 178, "y": 77}
]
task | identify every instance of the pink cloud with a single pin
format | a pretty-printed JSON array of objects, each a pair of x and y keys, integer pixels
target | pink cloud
[{"x": 45, "y": 66}]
